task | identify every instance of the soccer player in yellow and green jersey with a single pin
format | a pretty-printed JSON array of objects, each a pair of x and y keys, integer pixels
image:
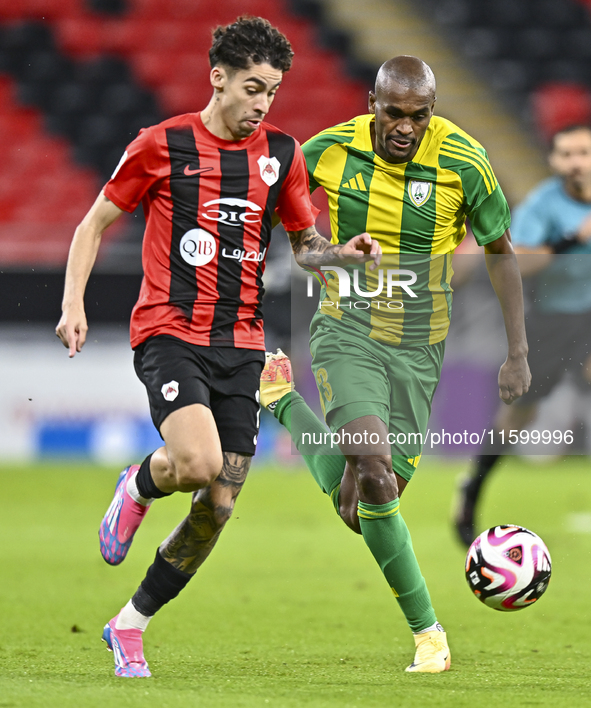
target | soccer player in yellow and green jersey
[
  {"x": 418, "y": 206},
  {"x": 416, "y": 210},
  {"x": 410, "y": 180}
]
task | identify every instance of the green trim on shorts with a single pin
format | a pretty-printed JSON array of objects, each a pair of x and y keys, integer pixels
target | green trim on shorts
[{"x": 339, "y": 417}]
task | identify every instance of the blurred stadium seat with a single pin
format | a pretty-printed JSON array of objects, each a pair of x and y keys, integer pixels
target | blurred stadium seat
[
  {"x": 558, "y": 105},
  {"x": 93, "y": 72},
  {"x": 527, "y": 50},
  {"x": 43, "y": 194}
]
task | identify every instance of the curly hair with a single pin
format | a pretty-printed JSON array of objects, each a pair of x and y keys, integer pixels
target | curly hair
[{"x": 250, "y": 39}]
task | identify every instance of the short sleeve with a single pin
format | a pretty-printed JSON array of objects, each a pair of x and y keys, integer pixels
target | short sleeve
[
  {"x": 313, "y": 150},
  {"x": 490, "y": 218},
  {"x": 294, "y": 205},
  {"x": 484, "y": 201},
  {"x": 140, "y": 167}
]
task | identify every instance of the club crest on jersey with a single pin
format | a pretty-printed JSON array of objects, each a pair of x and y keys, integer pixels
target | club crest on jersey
[
  {"x": 170, "y": 390},
  {"x": 419, "y": 192},
  {"x": 269, "y": 167}
]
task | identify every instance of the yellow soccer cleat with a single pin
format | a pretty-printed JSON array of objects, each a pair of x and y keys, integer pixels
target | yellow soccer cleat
[
  {"x": 432, "y": 655},
  {"x": 276, "y": 379}
]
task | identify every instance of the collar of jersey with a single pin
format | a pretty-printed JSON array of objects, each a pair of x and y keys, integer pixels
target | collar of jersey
[{"x": 363, "y": 142}]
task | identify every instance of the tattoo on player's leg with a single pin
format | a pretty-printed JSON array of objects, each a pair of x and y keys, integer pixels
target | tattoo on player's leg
[
  {"x": 234, "y": 470},
  {"x": 192, "y": 541}
]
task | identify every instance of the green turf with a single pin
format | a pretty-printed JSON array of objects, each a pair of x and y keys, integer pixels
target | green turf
[{"x": 290, "y": 610}]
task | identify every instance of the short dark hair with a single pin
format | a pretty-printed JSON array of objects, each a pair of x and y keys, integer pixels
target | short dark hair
[
  {"x": 250, "y": 39},
  {"x": 574, "y": 128}
]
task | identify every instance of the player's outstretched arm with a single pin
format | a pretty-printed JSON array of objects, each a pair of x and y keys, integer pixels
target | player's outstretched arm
[
  {"x": 72, "y": 327},
  {"x": 310, "y": 248},
  {"x": 514, "y": 375}
]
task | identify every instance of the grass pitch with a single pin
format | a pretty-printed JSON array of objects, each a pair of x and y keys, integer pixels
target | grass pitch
[{"x": 290, "y": 610}]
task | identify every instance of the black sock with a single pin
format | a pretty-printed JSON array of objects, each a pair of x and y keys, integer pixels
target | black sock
[
  {"x": 163, "y": 582},
  {"x": 145, "y": 483},
  {"x": 482, "y": 468}
]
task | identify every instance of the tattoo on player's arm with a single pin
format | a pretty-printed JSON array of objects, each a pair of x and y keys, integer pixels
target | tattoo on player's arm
[
  {"x": 310, "y": 248},
  {"x": 192, "y": 541}
]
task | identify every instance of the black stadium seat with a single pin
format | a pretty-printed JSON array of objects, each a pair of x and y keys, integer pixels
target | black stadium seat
[{"x": 521, "y": 46}]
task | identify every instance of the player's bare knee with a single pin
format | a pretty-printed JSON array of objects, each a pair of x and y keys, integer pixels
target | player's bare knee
[
  {"x": 375, "y": 478},
  {"x": 194, "y": 472}
]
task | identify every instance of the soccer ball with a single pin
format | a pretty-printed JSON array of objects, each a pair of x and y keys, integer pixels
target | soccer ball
[{"x": 508, "y": 568}]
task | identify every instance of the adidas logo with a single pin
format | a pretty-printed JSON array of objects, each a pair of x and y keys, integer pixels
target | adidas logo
[{"x": 356, "y": 183}]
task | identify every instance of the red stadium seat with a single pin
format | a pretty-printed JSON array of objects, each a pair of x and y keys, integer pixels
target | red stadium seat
[
  {"x": 181, "y": 98},
  {"x": 154, "y": 68},
  {"x": 37, "y": 9},
  {"x": 174, "y": 35},
  {"x": 122, "y": 36},
  {"x": 16, "y": 126},
  {"x": 148, "y": 8},
  {"x": 558, "y": 105},
  {"x": 43, "y": 194},
  {"x": 81, "y": 36},
  {"x": 166, "y": 43}
]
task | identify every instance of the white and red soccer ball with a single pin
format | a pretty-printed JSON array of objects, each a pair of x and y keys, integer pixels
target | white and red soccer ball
[{"x": 508, "y": 568}]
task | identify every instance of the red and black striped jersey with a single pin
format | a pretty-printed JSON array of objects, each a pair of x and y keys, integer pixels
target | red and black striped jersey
[{"x": 208, "y": 204}]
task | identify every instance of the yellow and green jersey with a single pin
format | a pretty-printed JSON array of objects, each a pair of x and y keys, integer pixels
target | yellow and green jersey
[{"x": 417, "y": 212}]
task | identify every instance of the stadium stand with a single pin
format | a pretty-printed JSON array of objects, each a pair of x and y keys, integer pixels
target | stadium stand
[
  {"x": 79, "y": 78},
  {"x": 92, "y": 73},
  {"x": 384, "y": 28},
  {"x": 535, "y": 53},
  {"x": 43, "y": 194}
]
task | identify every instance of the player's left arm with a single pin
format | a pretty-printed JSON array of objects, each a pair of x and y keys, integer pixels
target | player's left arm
[{"x": 503, "y": 270}]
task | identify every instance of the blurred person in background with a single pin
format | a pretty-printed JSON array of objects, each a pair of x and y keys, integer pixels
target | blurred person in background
[
  {"x": 210, "y": 183},
  {"x": 554, "y": 220}
]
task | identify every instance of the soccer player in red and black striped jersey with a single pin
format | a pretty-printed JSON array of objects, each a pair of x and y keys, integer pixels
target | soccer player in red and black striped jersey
[{"x": 210, "y": 184}]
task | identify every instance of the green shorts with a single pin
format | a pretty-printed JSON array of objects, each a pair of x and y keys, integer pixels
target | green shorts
[{"x": 358, "y": 376}]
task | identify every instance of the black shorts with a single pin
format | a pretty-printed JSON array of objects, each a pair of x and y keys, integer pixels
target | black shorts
[
  {"x": 226, "y": 380},
  {"x": 559, "y": 344}
]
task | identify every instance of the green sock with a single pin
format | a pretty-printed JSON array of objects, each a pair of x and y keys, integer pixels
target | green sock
[
  {"x": 388, "y": 538},
  {"x": 326, "y": 467}
]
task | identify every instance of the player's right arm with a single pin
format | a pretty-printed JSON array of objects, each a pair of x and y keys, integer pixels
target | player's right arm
[
  {"x": 297, "y": 213},
  {"x": 72, "y": 327},
  {"x": 312, "y": 249}
]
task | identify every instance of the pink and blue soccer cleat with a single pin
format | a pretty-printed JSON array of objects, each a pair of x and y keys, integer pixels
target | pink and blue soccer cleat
[
  {"x": 128, "y": 650},
  {"x": 121, "y": 521}
]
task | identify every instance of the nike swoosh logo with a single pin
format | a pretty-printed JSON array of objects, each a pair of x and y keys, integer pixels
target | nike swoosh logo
[{"x": 189, "y": 172}]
